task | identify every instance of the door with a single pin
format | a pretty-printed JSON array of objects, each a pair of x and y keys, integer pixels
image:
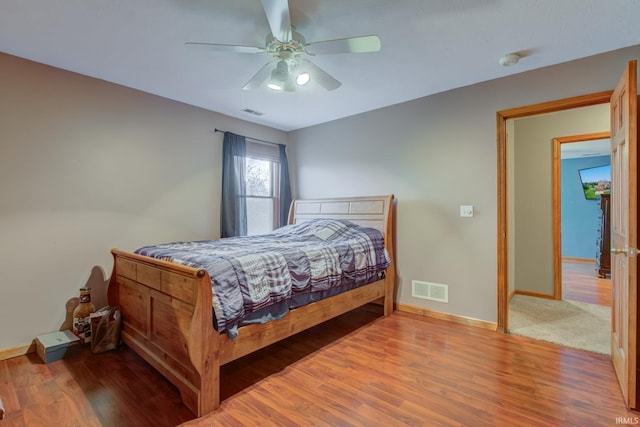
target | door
[{"x": 624, "y": 221}]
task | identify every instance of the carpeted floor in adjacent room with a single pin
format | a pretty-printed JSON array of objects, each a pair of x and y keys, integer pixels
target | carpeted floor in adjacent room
[{"x": 572, "y": 324}]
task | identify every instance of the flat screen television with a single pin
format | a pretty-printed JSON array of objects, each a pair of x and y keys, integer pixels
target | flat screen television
[{"x": 595, "y": 181}]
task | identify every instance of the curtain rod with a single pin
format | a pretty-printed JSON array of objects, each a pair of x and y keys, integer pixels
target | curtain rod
[{"x": 253, "y": 139}]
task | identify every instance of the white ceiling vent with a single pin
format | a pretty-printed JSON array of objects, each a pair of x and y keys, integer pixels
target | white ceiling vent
[
  {"x": 431, "y": 291},
  {"x": 250, "y": 111}
]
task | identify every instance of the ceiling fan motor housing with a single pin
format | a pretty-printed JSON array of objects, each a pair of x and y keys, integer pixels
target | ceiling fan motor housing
[{"x": 288, "y": 49}]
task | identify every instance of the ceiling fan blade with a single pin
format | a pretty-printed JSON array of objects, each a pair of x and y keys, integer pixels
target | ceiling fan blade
[
  {"x": 279, "y": 19},
  {"x": 320, "y": 76},
  {"x": 361, "y": 44},
  {"x": 227, "y": 47},
  {"x": 259, "y": 77}
]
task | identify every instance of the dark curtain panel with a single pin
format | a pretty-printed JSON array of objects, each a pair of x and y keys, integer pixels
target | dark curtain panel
[
  {"x": 285, "y": 187},
  {"x": 233, "y": 211}
]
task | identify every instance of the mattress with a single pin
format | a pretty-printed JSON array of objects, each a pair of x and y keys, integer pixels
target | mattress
[{"x": 259, "y": 278}]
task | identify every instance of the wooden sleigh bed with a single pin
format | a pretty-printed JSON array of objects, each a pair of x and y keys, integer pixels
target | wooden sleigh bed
[{"x": 167, "y": 308}]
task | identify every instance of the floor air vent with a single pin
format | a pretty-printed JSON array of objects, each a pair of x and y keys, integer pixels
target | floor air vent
[{"x": 430, "y": 291}]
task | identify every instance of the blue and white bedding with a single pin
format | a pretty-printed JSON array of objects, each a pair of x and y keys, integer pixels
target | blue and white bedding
[{"x": 257, "y": 278}]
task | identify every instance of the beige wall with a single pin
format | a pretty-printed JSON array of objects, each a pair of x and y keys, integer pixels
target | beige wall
[
  {"x": 85, "y": 166},
  {"x": 532, "y": 238},
  {"x": 436, "y": 153}
]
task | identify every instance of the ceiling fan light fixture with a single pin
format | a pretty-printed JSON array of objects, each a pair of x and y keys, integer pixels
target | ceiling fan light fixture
[
  {"x": 281, "y": 72},
  {"x": 303, "y": 78},
  {"x": 279, "y": 76}
]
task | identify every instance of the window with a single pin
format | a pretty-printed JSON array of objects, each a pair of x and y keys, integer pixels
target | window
[
  {"x": 262, "y": 166},
  {"x": 256, "y": 193},
  {"x": 261, "y": 195}
]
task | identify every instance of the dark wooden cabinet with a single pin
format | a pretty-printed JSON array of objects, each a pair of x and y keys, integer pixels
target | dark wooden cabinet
[{"x": 604, "y": 238}]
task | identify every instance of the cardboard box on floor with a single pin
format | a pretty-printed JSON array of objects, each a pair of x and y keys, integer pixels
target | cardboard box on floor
[{"x": 53, "y": 346}]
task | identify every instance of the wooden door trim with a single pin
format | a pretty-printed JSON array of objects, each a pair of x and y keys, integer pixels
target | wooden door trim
[
  {"x": 501, "y": 121},
  {"x": 557, "y": 202}
]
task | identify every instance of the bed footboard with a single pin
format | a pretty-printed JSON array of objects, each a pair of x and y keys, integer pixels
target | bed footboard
[{"x": 167, "y": 320}]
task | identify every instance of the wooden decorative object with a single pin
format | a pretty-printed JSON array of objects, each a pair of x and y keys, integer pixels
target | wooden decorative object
[{"x": 167, "y": 308}]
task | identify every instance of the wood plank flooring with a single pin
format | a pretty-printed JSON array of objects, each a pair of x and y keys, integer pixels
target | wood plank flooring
[
  {"x": 360, "y": 369},
  {"x": 581, "y": 283}
]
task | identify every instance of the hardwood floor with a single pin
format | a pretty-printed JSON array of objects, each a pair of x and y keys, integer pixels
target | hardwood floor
[
  {"x": 581, "y": 283},
  {"x": 360, "y": 369}
]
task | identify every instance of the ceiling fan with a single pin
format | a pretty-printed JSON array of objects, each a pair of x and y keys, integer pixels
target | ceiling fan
[{"x": 289, "y": 67}]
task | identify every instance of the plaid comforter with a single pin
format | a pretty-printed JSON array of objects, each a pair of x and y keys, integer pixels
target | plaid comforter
[{"x": 252, "y": 272}]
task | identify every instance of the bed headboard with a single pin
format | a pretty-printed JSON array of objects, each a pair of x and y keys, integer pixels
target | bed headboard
[{"x": 374, "y": 212}]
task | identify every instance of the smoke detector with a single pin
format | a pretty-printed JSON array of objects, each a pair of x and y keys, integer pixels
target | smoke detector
[{"x": 509, "y": 59}]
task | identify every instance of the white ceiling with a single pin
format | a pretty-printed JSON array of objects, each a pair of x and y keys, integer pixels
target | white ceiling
[
  {"x": 428, "y": 46},
  {"x": 593, "y": 148}
]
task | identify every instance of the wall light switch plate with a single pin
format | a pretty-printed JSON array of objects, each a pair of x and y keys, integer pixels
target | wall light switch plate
[{"x": 466, "y": 211}]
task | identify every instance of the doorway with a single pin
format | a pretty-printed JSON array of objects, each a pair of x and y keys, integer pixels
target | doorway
[
  {"x": 574, "y": 307},
  {"x": 536, "y": 304},
  {"x": 582, "y": 155},
  {"x": 504, "y": 290}
]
